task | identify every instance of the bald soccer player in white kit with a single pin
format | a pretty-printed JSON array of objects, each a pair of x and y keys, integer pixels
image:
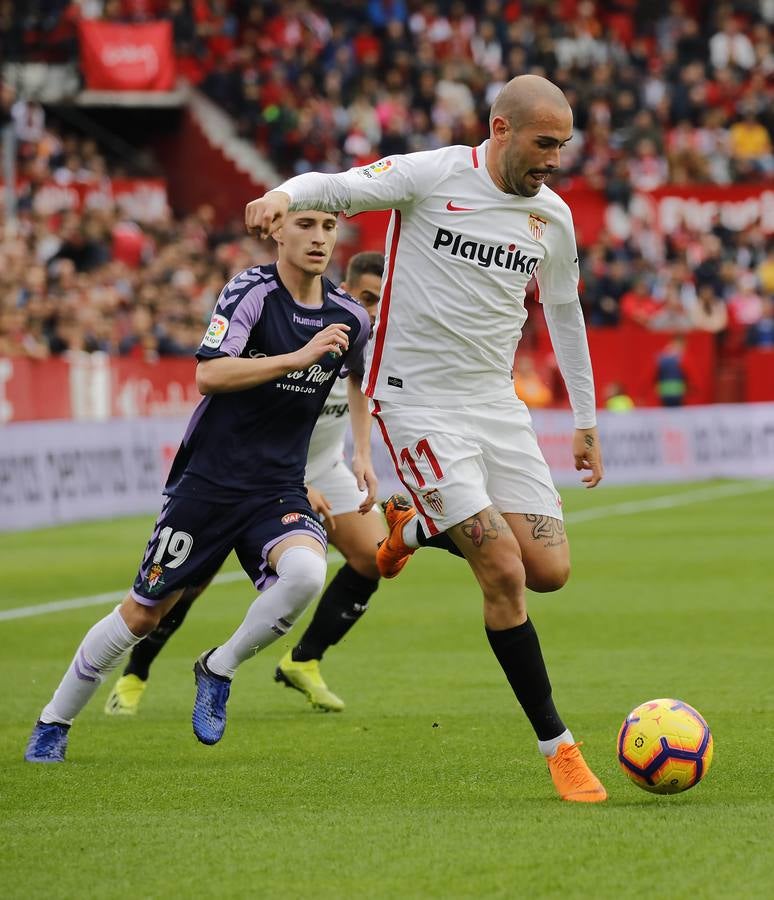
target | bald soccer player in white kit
[{"x": 470, "y": 227}]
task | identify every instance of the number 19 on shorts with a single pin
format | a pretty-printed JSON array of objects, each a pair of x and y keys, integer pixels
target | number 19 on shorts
[{"x": 177, "y": 543}]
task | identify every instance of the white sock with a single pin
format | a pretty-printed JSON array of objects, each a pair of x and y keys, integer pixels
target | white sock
[
  {"x": 549, "y": 748},
  {"x": 410, "y": 532},
  {"x": 301, "y": 576},
  {"x": 99, "y": 653}
]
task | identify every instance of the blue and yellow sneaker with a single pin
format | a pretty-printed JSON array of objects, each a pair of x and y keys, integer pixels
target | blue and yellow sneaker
[
  {"x": 47, "y": 743},
  {"x": 209, "y": 712},
  {"x": 124, "y": 699},
  {"x": 305, "y": 677}
]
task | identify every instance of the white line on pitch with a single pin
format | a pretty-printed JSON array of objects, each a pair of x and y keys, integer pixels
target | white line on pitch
[
  {"x": 626, "y": 508},
  {"x": 40, "y": 609},
  {"x": 669, "y": 501}
]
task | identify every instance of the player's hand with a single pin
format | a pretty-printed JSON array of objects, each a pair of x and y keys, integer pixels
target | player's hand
[
  {"x": 363, "y": 471},
  {"x": 334, "y": 340},
  {"x": 321, "y": 507},
  {"x": 588, "y": 455},
  {"x": 265, "y": 215}
]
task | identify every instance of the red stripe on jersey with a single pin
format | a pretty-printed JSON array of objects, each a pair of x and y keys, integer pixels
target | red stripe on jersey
[
  {"x": 475, "y": 157},
  {"x": 384, "y": 308},
  {"x": 431, "y": 526}
]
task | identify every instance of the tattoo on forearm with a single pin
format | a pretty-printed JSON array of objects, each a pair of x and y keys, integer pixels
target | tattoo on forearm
[
  {"x": 484, "y": 528},
  {"x": 589, "y": 441},
  {"x": 546, "y": 529}
]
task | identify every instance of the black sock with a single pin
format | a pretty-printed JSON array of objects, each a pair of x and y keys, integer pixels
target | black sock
[
  {"x": 441, "y": 541},
  {"x": 148, "y": 649},
  {"x": 343, "y": 603},
  {"x": 518, "y": 652}
]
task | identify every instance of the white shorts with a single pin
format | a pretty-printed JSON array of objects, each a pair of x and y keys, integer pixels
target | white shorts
[
  {"x": 339, "y": 486},
  {"x": 456, "y": 462}
]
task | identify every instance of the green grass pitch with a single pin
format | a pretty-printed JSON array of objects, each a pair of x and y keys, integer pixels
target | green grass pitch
[{"x": 429, "y": 784}]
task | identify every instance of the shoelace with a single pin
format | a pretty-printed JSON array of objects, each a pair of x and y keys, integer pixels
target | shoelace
[{"x": 567, "y": 764}]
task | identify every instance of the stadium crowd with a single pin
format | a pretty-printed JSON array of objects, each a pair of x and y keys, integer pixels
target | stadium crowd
[{"x": 663, "y": 93}]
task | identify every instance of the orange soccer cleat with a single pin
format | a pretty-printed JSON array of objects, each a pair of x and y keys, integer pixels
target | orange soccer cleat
[
  {"x": 392, "y": 554},
  {"x": 572, "y": 778}
]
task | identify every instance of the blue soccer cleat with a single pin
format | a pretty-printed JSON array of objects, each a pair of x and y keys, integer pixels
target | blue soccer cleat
[
  {"x": 209, "y": 712},
  {"x": 47, "y": 743}
]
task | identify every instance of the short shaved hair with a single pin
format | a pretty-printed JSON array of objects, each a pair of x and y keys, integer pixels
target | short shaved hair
[{"x": 522, "y": 94}]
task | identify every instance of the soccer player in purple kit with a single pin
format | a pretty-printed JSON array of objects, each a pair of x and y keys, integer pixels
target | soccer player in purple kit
[
  {"x": 278, "y": 338},
  {"x": 334, "y": 495}
]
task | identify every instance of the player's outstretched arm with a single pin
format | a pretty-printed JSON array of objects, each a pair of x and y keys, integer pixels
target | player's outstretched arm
[
  {"x": 360, "y": 417},
  {"x": 588, "y": 455},
  {"x": 265, "y": 215},
  {"x": 389, "y": 184},
  {"x": 235, "y": 373}
]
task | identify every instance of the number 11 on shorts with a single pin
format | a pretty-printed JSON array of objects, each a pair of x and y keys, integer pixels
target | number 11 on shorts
[{"x": 408, "y": 460}]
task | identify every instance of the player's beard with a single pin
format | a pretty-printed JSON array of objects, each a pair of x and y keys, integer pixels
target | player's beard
[{"x": 515, "y": 180}]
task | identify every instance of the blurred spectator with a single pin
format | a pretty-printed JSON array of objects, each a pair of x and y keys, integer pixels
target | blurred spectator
[
  {"x": 671, "y": 383},
  {"x": 671, "y": 314},
  {"x": 616, "y": 398},
  {"x": 709, "y": 313},
  {"x": 765, "y": 272},
  {"x": 647, "y": 169},
  {"x": 638, "y": 305},
  {"x": 745, "y": 304},
  {"x": 750, "y": 145},
  {"x": 529, "y": 385},
  {"x": 730, "y": 46},
  {"x": 606, "y": 290},
  {"x": 761, "y": 333}
]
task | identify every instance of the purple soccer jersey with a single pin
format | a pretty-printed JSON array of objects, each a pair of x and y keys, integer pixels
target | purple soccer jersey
[{"x": 247, "y": 441}]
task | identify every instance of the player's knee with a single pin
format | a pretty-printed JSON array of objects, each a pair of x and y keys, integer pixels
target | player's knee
[
  {"x": 303, "y": 572},
  {"x": 550, "y": 578},
  {"x": 503, "y": 581},
  {"x": 140, "y": 620}
]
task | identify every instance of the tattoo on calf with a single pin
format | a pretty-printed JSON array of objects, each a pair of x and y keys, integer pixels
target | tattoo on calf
[
  {"x": 546, "y": 529},
  {"x": 478, "y": 531}
]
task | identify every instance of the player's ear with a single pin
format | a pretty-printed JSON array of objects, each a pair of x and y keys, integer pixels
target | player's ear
[
  {"x": 277, "y": 235},
  {"x": 500, "y": 127}
]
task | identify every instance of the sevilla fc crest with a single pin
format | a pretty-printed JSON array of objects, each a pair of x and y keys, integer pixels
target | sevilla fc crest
[
  {"x": 434, "y": 500},
  {"x": 537, "y": 226}
]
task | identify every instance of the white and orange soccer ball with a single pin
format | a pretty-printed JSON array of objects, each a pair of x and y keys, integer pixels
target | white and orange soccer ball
[{"x": 665, "y": 746}]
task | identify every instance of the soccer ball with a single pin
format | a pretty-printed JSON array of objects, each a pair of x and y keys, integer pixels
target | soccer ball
[{"x": 665, "y": 746}]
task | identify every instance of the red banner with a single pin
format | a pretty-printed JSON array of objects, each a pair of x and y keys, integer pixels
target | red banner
[
  {"x": 700, "y": 207},
  {"x": 139, "y": 199},
  {"x": 117, "y": 57},
  {"x": 95, "y": 387}
]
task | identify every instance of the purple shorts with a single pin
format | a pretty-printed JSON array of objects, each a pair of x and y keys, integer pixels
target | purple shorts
[{"x": 192, "y": 538}]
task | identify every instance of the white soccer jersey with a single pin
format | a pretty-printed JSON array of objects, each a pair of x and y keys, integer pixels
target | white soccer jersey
[
  {"x": 460, "y": 253},
  {"x": 326, "y": 446}
]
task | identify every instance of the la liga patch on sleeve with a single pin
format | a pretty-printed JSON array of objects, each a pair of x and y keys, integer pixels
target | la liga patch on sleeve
[{"x": 216, "y": 332}]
